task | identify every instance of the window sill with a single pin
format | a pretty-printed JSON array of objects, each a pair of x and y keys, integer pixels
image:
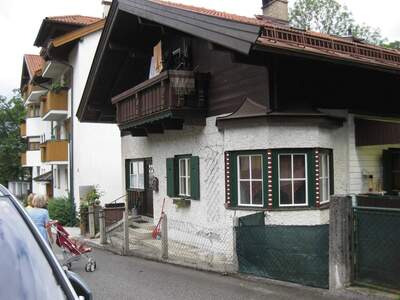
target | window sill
[
  {"x": 181, "y": 202},
  {"x": 325, "y": 206}
]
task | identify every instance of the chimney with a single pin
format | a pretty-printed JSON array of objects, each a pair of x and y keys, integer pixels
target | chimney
[
  {"x": 276, "y": 9},
  {"x": 106, "y": 7}
]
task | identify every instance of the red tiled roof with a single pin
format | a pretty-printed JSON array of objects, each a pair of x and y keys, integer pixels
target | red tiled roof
[
  {"x": 74, "y": 19},
  {"x": 34, "y": 63},
  {"x": 213, "y": 13},
  {"x": 277, "y": 35}
]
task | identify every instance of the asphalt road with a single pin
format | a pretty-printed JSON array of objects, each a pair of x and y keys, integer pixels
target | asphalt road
[{"x": 120, "y": 277}]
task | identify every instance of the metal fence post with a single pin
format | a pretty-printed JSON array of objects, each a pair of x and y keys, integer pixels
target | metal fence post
[
  {"x": 235, "y": 261},
  {"x": 164, "y": 237},
  {"x": 102, "y": 223},
  {"x": 125, "y": 245},
  {"x": 340, "y": 242},
  {"x": 92, "y": 230}
]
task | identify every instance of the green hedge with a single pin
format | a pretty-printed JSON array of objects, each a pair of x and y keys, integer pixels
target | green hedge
[{"x": 63, "y": 210}]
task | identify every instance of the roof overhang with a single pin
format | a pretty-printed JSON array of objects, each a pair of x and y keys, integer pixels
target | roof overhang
[{"x": 230, "y": 34}]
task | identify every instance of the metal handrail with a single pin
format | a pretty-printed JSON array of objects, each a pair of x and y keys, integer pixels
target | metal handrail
[{"x": 115, "y": 201}]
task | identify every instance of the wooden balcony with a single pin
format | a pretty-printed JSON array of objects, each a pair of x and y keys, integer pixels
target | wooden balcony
[
  {"x": 23, "y": 159},
  {"x": 54, "y": 151},
  {"x": 163, "y": 102},
  {"x": 54, "y": 107},
  {"x": 22, "y": 129}
]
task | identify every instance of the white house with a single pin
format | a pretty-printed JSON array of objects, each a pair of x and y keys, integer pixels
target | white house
[{"x": 71, "y": 153}]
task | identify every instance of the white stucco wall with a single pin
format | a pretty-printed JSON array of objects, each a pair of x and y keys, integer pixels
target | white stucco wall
[
  {"x": 97, "y": 147},
  {"x": 210, "y": 144}
]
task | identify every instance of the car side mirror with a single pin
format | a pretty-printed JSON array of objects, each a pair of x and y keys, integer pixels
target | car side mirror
[{"x": 80, "y": 287}]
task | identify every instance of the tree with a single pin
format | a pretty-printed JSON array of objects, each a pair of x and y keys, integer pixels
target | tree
[
  {"x": 12, "y": 112},
  {"x": 329, "y": 16},
  {"x": 393, "y": 45}
]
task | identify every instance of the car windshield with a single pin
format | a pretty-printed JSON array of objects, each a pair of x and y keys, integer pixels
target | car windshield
[{"x": 25, "y": 273}]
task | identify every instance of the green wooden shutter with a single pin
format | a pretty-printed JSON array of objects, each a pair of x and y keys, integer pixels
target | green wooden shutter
[
  {"x": 195, "y": 177},
  {"x": 171, "y": 177},
  {"x": 127, "y": 177},
  {"x": 387, "y": 170}
]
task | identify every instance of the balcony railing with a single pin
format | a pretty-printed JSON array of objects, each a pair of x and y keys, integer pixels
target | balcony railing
[
  {"x": 22, "y": 129},
  {"x": 54, "y": 107},
  {"x": 171, "y": 94},
  {"x": 54, "y": 151},
  {"x": 23, "y": 159}
]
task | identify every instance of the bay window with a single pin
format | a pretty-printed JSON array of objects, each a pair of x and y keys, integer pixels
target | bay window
[{"x": 250, "y": 180}]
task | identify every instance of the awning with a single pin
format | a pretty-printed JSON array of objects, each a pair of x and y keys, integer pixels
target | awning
[{"x": 45, "y": 177}]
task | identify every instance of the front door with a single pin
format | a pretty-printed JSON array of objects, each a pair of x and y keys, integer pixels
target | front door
[
  {"x": 148, "y": 188},
  {"x": 140, "y": 185}
]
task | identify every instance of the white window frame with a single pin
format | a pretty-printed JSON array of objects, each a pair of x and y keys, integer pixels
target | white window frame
[
  {"x": 136, "y": 183},
  {"x": 184, "y": 190},
  {"x": 322, "y": 178},
  {"x": 292, "y": 180},
  {"x": 251, "y": 179}
]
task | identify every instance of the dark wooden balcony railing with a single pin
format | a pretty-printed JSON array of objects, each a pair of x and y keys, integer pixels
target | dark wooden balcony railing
[{"x": 176, "y": 93}]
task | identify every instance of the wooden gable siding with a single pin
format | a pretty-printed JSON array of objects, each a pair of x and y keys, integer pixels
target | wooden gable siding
[{"x": 230, "y": 82}]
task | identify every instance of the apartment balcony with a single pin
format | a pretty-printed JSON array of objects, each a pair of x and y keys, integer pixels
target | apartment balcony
[
  {"x": 163, "y": 102},
  {"x": 54, "y": 152},
  {"x": 23, "y": 159},
  {"x": 33, "y": 93},
  {"x": 31, "y": 158},
  {"x": 22, "y": 130},
  {"x": 55, "y": 106}
]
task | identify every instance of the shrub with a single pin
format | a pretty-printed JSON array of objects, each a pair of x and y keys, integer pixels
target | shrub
[{"x": 63, "y": 210}]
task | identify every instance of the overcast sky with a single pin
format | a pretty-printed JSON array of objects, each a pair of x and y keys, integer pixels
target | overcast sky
[{"x": 20, "y": 21}]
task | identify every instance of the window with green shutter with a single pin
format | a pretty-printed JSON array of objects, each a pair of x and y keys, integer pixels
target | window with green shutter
[
  {"x": 278, "y": 178},
  {"x": 183, "y": 177}
]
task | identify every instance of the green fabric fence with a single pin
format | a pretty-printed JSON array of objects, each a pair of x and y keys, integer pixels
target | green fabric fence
[{"x": 297, "y": 254}]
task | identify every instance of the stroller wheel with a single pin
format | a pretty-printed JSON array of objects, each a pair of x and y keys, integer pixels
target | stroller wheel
[
  {"x": 88, "y": 267},
  {"x": 68, "y": 265},
  {"x": 92, "y": 267}
]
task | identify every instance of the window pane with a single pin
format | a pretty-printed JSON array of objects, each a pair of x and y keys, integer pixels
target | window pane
[
  {"x": 256, "y": 167},
  {"x": 256, "y": 192},
  {"x": 244, "y": 167},
  {"x": 322, "y": 191},
  {"x": 323, "y": 167},
  {"x": 299, "y": 192},
  {"x": 244, "y": 192},
  {"x": 182, "y": 186},
  {"x": 188, "y": 187},
  {"x": 141, "y": 167},
  {"x": 396, "y": 181},
  {"x": 134, "y": 181},
  {"x": 327, "y": 190},
  {"x": 299, "y": 166},
  {"x": 141, "y": 181},
  {"x": 285, "y": 192},
  {"x": 182, "y": 167},
  {"x": 285, "y": 166},
  {"x": 134, "y": 168},
  {"x": 188, "y": 167}
]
